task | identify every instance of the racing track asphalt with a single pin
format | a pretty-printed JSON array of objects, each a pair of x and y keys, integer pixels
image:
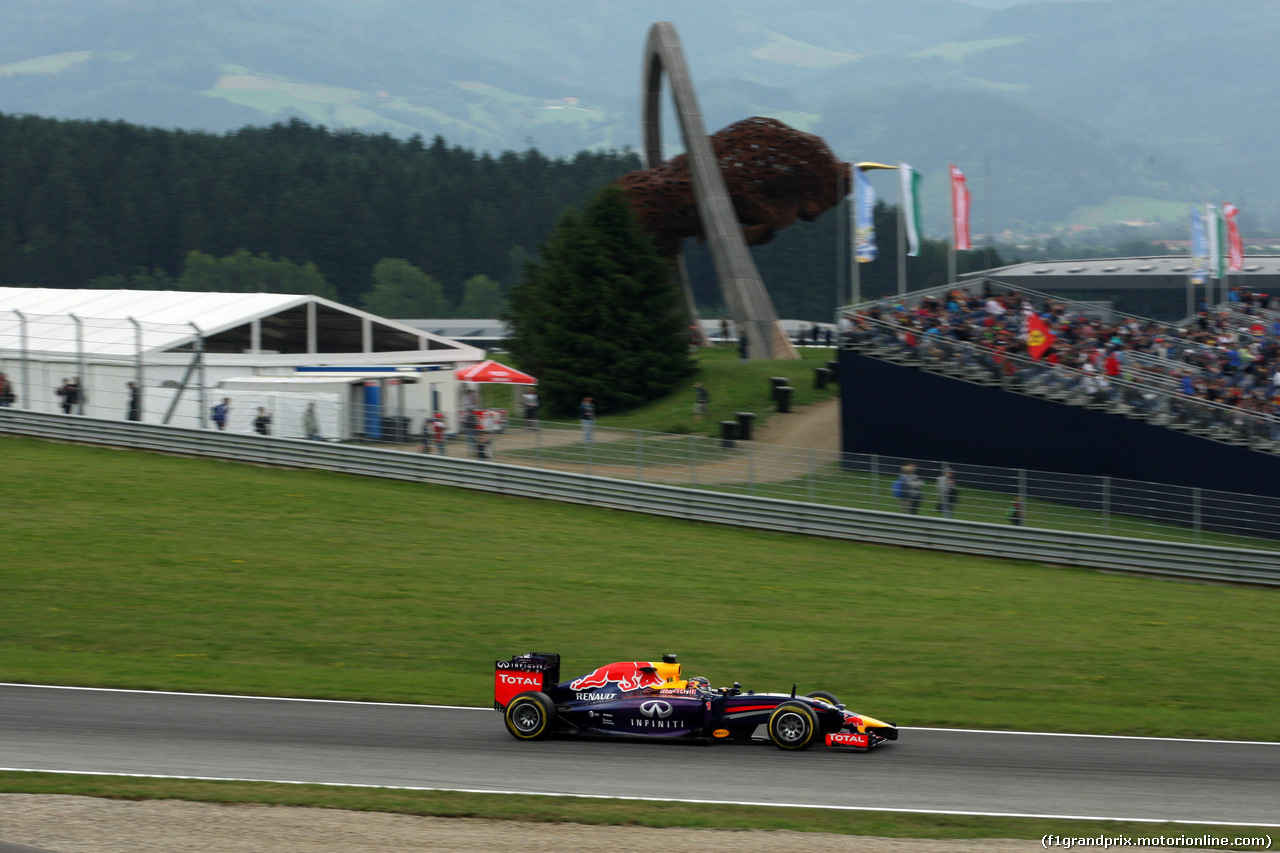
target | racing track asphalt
[{"x": 931, "y": 770}]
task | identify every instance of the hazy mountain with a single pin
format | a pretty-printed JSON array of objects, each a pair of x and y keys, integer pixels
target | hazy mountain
[{"x": 1102, "y": 108}]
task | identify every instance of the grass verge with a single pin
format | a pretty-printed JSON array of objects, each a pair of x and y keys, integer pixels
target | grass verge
[
  {"x": 125, "y": 569},
  {"x": 591, "y": 811}
]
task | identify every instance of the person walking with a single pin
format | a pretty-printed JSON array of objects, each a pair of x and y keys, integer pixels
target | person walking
[
  {"x": 587, "y": 416},
  {"x": 701, "y": 401}
]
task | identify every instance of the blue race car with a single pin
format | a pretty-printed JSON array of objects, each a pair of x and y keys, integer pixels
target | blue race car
[{"x": 651, "y": 699}]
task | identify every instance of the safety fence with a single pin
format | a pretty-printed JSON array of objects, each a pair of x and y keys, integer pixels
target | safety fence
[{"x": 744, "y": 506}]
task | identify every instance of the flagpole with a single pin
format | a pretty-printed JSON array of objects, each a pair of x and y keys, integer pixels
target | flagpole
[
  {"x": 841, "y": 207},
  {"x": 951, "y": 261},
  {"x": 902, "y": 249},
  {"x": 855, "y": 271}
]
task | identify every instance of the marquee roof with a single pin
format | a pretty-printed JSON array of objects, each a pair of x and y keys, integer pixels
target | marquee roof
[{"x": 230, "y": 323}]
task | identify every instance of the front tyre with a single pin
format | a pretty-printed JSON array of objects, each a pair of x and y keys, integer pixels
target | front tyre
[
  {"x": 793, "y": 726},
  {"x": 530, "y": 716}
]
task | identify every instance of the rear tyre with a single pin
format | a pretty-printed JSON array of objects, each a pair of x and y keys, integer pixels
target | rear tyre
[
  {"x": 530, "y": 716},
  {"x": 793, "y": 726},
  {"x": 824, "y": 696}
]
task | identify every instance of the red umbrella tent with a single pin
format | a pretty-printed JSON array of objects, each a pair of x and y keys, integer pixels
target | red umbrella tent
[{"x": 491, "y": 371}]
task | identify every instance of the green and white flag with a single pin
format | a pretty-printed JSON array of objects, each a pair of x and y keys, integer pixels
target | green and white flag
[
  {"x": 910, "y": 209},
  {"x": 1215, "y": 226}
]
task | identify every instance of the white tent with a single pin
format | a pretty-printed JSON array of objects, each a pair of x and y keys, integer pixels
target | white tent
[{"x": 179, "y": 346}]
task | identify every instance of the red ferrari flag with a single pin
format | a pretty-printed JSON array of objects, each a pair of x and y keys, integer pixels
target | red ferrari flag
[
  {"x": 959, "y": 209},
  {"x": 1039, "y": 338},
  {"x": 1235, "y": 247}
]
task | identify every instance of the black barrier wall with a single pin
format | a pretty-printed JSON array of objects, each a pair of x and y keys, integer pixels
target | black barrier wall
[{"x": 892, "y": 409}]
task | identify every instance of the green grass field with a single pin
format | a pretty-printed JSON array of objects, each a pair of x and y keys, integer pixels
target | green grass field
[{"x": 138, "y": 570}]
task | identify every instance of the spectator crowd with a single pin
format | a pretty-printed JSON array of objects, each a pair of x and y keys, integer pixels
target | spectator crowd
[{"x": 1219, "y": 374}]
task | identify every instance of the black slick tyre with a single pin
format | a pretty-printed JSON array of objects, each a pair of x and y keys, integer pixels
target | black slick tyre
[
  {"x": 530, "y": 716},
  {"x": 793, "y": 726}
]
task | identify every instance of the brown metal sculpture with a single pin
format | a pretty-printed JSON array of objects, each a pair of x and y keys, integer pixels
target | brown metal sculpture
[{"x": 774, "y": 174}]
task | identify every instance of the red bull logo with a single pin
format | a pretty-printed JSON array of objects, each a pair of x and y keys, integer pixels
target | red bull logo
[{"x": 628, "y": 675}]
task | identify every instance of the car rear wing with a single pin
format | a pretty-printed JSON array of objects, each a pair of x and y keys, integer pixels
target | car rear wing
[{"x": 532, "y": 671}]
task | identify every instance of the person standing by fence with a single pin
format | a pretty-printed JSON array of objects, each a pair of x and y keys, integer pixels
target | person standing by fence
[
  {"x": 135, "y": 402},
  {"x": 909, "y": 489},
  {"x": 7, "y": 395},
  {"x": 221, "y": 412},
  {"x": 948, "y": 493},
  {"x": 587, "y": 415}
]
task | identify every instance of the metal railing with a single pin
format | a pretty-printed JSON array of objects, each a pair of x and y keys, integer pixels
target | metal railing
[{"x": 754, "y": 507}]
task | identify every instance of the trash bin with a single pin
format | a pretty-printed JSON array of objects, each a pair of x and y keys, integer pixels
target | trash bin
[
  {"x": 820, "y": 377},
  {"x": 784, "y": 398},
  {"x": 395, "y": 429},
  {"x": 744, "y": 425},
  {"x": 776, "y": 382},
  {"x": 728, "y": 431}
]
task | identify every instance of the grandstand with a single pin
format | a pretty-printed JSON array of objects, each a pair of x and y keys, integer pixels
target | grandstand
[{"x": 1199, "y": 400}]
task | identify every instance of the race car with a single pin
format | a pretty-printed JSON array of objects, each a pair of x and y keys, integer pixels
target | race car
[{"x": 652, "y": 699}]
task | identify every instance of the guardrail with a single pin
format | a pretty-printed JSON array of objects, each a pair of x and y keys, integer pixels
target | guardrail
[{"x": 1182, "y": 560}]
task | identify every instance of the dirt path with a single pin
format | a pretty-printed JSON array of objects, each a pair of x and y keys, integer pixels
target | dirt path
[
  {"x": 815, "y": 427},
  {"x": 785, "y": 449},
  {"x": 68, "y": 824}
]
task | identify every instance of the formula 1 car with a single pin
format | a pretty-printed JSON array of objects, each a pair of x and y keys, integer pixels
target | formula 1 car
[{"x": 648, "y": 699}]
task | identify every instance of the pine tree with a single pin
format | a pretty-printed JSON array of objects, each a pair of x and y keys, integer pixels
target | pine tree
[{"x": 598, "y": 315}]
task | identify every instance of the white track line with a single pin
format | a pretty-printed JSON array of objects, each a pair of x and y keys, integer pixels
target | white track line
[
  {"x": 1033, "y": 815},
  {"x": 475, "y": 708}
]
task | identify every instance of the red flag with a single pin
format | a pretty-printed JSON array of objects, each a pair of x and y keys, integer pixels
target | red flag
[
  {"x": 959, "y": 209},
  {"x": 1039, "y": 338},
  {"x": 1235, "y": 247}
]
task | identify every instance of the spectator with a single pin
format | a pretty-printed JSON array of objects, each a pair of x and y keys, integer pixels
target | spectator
[
  {"x": 7, "y": 395},
  {"x": 909, "y": 489},
  {"x": 1016, "y": 515},
  {"x": 587, "y": 415},
  {"x": 529, "y": 399},
  {"x": 262, "y": 422},
  {"x": 470, "y": 428},
  {"x": 221, "y": 412},
  {"x": 948, "y": 493},
  {"x": 701, "y": 400},
  {"x": 135, "y": 403},
  {"x": 311, "y": 423},
  {"x": 70, "y": 396}
]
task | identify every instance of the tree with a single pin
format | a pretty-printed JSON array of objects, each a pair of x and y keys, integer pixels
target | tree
[
  {"x": 402, "y": 291},
  {"x": 481, "y": 297},
  {"x": 599, "y": 314},
  {"x": 241, "y": 272}
]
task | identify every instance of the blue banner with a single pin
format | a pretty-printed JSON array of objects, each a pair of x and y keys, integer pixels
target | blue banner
[
  {"x": 1199, "y": 249},
  {"x": 864, "y": 225}
]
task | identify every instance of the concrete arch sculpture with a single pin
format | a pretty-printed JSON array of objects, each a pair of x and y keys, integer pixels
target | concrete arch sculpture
[{"x": 743, "y": 289}]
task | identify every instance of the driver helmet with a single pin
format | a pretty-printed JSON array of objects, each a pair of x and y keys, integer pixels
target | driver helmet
[{"x": 697, "y": 682}]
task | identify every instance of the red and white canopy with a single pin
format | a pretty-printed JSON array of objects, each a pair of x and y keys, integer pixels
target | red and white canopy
[{"x": 492, "y": 371}]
